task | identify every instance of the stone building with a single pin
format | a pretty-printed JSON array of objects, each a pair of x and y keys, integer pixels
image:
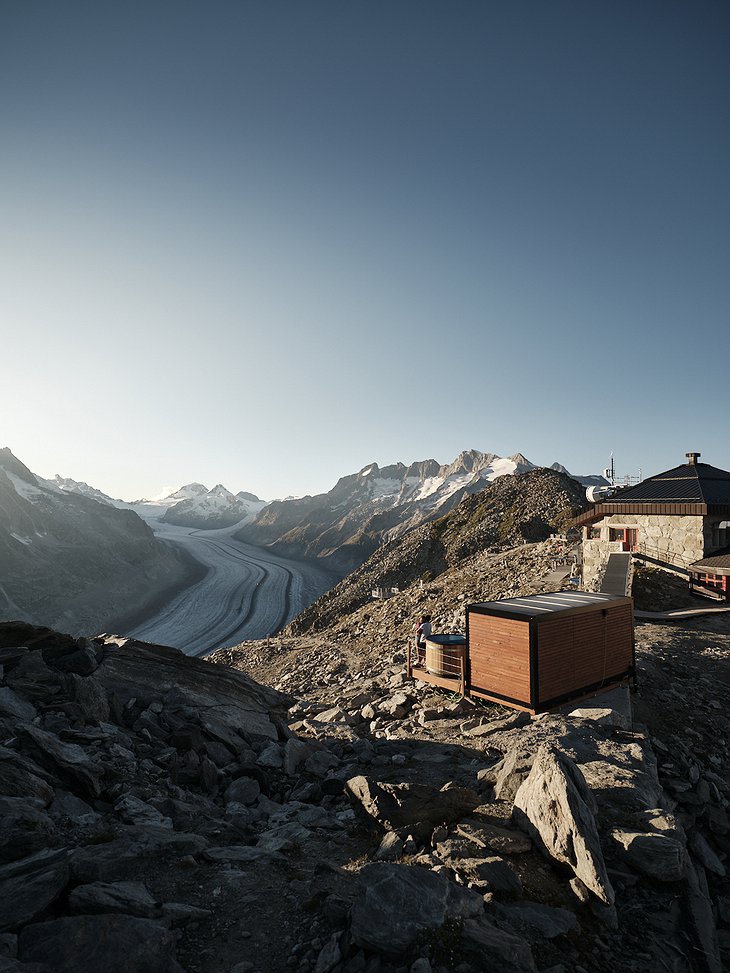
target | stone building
[{"x": 675, "y": 520}]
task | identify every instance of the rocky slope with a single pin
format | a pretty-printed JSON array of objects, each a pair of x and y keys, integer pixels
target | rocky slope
[
  {"x": 71, "y": 561},
  {"x": 345, "y": 525},
  {"x": 161, "y": 814},
  {"x": 523, "y": 508}
]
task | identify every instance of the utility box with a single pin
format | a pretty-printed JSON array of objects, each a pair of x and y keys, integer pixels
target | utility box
[{"x": 538, "y": 652}]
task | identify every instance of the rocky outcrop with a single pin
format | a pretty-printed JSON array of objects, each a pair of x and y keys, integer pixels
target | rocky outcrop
[
  {"x": 555, "y": 806},
  {"x": 350, "y": 824},
  {"x": 411, "y": 809}
]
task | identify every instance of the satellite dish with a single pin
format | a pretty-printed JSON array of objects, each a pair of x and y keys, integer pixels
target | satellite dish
[{"x": 597, "y": 493}]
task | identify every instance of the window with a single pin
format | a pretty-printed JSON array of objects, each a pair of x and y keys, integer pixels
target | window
[
  {"x": 594, "y": 533},
  {"x": 616, "y": 534}
]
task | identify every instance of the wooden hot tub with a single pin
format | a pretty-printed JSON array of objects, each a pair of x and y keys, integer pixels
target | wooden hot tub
[{"x": 445, "y": 655}]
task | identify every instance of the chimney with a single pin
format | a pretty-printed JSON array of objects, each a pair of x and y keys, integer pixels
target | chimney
[{"x": 692, "y": 458}]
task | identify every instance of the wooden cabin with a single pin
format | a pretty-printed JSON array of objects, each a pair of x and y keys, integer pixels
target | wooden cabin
[{"x": 537, "y": 652}]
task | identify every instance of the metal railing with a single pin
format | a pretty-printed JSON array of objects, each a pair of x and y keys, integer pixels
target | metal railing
[
  {"x": 445, "y": 667},
  {"x": 658, "y": 556}
]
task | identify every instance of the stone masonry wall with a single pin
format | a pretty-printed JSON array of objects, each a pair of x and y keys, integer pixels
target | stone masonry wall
[{"x": 674, "y": 540}]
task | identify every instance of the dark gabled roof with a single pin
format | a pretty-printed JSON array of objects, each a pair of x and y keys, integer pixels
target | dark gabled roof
[
  {"x": 689, "y": 483},
  {"x": 717, "y": 563},
  {"x": 692, "y": 489}
]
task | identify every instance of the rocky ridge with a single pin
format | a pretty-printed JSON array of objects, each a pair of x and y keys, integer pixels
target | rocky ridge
[
  {"x": 520, "y": 509},
  {"x": 365, "y": 509}
]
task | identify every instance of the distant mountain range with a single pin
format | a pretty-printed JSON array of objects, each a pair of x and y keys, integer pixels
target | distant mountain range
[
  {"x": 364, "y": 509},
  {"x": 75, "y": 558},
  {"x": 193, "y": 505}
]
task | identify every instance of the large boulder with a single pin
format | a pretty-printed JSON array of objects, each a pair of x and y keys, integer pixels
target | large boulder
[
  {"x": 112, "y": 943},
  {"x": 395, "y": 904},
  {"x": 232, "y": 702},
  {"x": 411, "y": 809},
  {"x": 556, "y": 808},
  {"x": 66, "y": 761},
  {"x": 28, "y": 886},
  {"x": 655, "y": 854},
  {"x": 26, "y": 828}
]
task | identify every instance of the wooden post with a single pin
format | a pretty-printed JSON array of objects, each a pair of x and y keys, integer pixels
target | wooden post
[{"x": 409, "y": 667}]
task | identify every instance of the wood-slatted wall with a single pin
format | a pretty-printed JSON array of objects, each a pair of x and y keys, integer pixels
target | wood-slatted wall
[
  {"x": 582, "y": 650},
  {"x": 499, "y": 656}
]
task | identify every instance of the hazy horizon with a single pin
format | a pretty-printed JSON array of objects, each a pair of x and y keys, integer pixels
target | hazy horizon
[{"x": 265, "y": 245}]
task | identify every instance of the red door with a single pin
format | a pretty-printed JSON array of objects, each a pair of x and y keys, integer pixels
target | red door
[{"x": 631, "y": 539}]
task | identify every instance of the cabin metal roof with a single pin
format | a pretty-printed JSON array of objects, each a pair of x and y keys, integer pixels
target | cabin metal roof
[
  {"x": 692, "y": 489},
  {"x": 688, "y": 483},
  {"x": 538, "y": 606}
]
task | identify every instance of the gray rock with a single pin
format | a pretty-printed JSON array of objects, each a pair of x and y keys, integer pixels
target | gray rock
[
  {"x": 334, "y": 715},
  {"x": 505, "y": 841},
  {"x": 20, "y": 777},
  {"x": 704, "y": 854},
  {"x": 390, "y": 848},
  {"x": 395, "y": 904},
  {"x": 626, "y": 787},
  {"x": 285, "y": 837},
  {"x": 320, "y": 762},
  {"x": 421, "y": 965},
  {"x": 511, "y": 722},
  {"x": 295, "y": 753},
  {"x": 271, "y": 756},
  {"x": 330, "y": 954},
  {"x": 218, "y": 753},
  {"x": 28, "y": 886},
  {"x": 179, "y": 913},
  {"x": 87, "y": 697},
  {"x": 109, "y": 861},
  {"x": 396, "y": 705},
  {"x": 229, "y": 702},
  {"x": 67, "y": 805},
  {"x": 611, "y": 718},
  {"x": 510, "y": 774},
  {"x": 114, "y": 944},
  {"x": 495, "y": 874},
  {"x": 69, "y": 762},
  {"x": 699, "y": 906},
  {"x": 245, "y": 790},
  {"x": 657, "y": 855},
  {"x": 83, "y": 661},
  {"x": 556, "y": 808},
  {"x": 127, "y": 898},
  {"x": 25, "y": 828},
  {"x": 134, "y": 811},
  {"x": 487, "y": 948},
  {"x": 14, "y": 706},
  {"x": 414, "y": 809},
  {"x": 236, "y": 853},
  {"x": 534, "y": 921}
]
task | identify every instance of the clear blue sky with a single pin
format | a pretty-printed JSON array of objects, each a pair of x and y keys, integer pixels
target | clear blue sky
[{"x": 266, "y": 243}]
